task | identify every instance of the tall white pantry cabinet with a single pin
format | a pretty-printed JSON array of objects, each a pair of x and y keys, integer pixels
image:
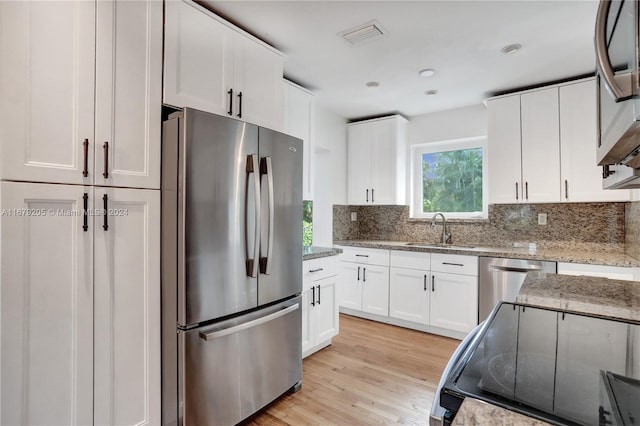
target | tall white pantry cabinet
[{"x": 80, "y": 108}]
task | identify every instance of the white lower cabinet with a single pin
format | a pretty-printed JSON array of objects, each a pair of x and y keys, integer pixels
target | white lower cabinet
[
  {"x": 432, "y": 292},
  {"x": 319, "y": 304},
  {"x": 364, "y": 287},
  {"x": 409, "y": 291},
  {"x": 454, "y": 301},
  {"x": 72, "y": 289}
]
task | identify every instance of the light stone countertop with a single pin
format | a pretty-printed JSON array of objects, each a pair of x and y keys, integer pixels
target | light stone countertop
[
  {"x": 582, "y": 294},
  {"x": 315, "y": 252},
  {"x": 474, "y": 412},
  {"x": 571, "y": 253}
]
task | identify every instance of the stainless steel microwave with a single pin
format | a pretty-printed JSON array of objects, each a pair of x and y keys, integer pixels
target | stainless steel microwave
[{"x": 616, "y": 40}]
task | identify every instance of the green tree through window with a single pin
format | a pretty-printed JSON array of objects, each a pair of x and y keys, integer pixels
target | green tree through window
[{"x": 452, "y": 181}]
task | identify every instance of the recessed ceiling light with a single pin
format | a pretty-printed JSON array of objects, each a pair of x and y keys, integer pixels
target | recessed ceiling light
[
  {"x": 511, "y": 49},
  {"x": 431, "y": 92},
  {"x": 427, "y": 72},
  {"x": 372, "y": 84}
]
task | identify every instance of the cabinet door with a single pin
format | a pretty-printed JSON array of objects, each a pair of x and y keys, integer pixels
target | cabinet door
[
  {"x": 359, "y": 164},
  {"x": 127, "y": 308},
  {"x": 540, "y": 146},
  {"x": 454, "y": 302},
  {"x": 198, "y": 58},
  {"x": 47, "y": 86},
  {"x": 349, "y": 287},
  {"x": 326, "y": 310},
  {"x": 307, "y": 322},
  {"x": 128, "y": 93},
  {"x": 299, "y": 112},
  {"x": 505, "y": 167},
  {"x": 257, "y": 83},
  {"x": 581, "y": 177},
  {"x": 409, "y": 295},
  {"x": 375, "y": 289},
  {"x": 383, "y": 161},
  {"x": 47, "y": 305}
]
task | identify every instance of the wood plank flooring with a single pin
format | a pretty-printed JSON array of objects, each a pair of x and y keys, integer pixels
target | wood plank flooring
[{"x": 372, "y": 374}]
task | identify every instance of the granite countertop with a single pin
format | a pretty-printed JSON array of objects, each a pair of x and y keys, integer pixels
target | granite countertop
[
  {"x": 572, "y": 253},
  {"x": 475, "y": 412},
  {"x": 315, "y": 252},
  {"x": 582, "y": 294}
]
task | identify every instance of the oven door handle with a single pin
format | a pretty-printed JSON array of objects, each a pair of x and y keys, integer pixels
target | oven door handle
[{"x": 620, "y": 86}]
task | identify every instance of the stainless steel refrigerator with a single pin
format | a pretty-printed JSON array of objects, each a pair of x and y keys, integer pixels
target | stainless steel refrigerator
[{"x": 231, "y": 268}]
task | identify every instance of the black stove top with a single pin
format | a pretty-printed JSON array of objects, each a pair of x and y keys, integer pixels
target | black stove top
[{"x": 551, "y": 365}]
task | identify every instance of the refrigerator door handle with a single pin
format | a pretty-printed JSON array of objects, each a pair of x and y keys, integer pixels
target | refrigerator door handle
[
  {"x": 250, "y": 324},
  {"x": 252, "y": 262},
  {"x": 266, "y": 168}
]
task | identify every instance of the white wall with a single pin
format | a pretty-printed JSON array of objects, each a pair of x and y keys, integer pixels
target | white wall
[
  {"x": 330, "y": 172},
  {"x": 459, "y": 123}
]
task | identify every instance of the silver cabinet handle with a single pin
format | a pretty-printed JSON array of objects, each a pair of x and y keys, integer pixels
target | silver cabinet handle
[
  {"x": 266, "y": 169},
  {"x": 604, "y": 62},
  {"x": 252, "y": 262},
  {"x": 249, "y": 324},
  {"x": 515, "y": 269}
]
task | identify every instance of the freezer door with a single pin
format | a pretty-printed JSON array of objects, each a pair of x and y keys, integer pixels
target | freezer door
[
  {"x": 235, "y": 368},
  {"x": 281, "y": 241},
  {"x": 219, "y": 223}
]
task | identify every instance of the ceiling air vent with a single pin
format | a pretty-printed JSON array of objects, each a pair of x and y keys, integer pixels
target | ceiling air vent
[{"x": 362, "y": 33}]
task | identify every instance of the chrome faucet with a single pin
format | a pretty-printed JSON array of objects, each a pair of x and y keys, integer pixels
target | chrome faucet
[{"x": 445, "y": 237}]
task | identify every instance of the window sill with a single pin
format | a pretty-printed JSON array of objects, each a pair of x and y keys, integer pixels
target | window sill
[{"x": 470, "y": 221}]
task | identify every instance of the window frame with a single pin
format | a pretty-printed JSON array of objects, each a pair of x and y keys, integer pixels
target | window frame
[{"x": 440, "y": 146}]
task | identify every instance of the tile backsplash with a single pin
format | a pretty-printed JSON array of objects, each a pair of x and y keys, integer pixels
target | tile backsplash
[{"x": 601, "y": 223}]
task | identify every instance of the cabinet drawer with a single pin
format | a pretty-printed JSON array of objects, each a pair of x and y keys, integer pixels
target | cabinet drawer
[
  {"x": 454, "y": 264},
  {"x": 365, "y": 255},
  {"x": 317, "y": 269},
  {"x": 410, "y": 260}
]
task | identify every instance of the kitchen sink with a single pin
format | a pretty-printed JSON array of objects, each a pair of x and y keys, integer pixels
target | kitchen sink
[{"x": 440, "y": 246}]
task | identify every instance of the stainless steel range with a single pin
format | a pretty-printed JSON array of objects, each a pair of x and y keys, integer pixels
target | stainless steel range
[
  {"x": 232, "y": 268},
  {"x": 560, "y": 367}
]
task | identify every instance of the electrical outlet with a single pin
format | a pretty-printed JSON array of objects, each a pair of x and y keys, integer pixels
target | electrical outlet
[
  {"x": 354, "y": 216},
  {"x": 542, "y": 218}
]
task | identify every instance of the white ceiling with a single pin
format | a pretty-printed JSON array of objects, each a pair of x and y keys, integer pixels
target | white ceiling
[{"x": 460, "y": 39}]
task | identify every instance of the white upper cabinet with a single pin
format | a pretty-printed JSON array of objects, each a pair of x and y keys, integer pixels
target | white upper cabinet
[
  {"x": 128, "y": 94},
  {"x": 47, "y": 86},
  {"x": 540, "y": 145},
  {"x": 47, "y": 305},
  {"x": 505, "y": 167},
  {"x": 54, "y": 60},
  {"x": 581, "y": 177},
  {"x": 299, "y": 120},
  {"x": 213, "y": 66},
  {"x": 376, "y": 161}
]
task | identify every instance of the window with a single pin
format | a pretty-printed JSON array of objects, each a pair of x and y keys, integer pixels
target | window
[
  {"x": 307, "y": 223},
  {"x": 450, "y": 177}
]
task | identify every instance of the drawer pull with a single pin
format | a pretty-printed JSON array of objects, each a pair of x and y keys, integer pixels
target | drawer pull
[
  {"x": 316, "y": 270},
  {"x": 362, "y": 255},
  {"x": 452, "y": 264}
]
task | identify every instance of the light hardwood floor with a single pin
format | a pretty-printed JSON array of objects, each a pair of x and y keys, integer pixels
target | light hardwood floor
[{"x": 373, "y": 373}]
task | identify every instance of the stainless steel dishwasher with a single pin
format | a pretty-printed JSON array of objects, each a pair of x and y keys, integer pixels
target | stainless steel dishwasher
[{"x": 501, "y": 279}]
